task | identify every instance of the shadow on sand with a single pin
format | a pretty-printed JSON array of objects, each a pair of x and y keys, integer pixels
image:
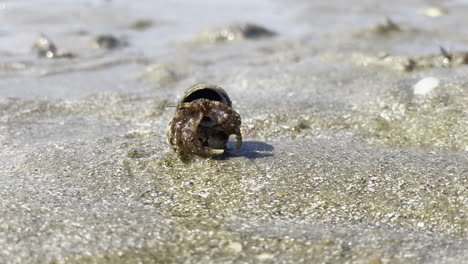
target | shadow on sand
[{"x": 250, "y": 150}]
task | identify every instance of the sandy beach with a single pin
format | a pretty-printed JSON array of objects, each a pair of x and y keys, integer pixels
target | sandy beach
[{"x": 354, "y": 125}]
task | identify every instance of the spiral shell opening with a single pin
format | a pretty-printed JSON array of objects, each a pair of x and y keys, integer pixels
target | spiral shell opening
[{"x": 206, "y": 91}]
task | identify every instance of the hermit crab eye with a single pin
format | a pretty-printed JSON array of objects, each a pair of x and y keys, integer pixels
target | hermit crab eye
[{"x": 203, "y": 121}]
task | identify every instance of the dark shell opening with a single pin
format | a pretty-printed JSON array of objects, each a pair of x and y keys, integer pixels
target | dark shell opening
[{"x": 209, "y": 94}]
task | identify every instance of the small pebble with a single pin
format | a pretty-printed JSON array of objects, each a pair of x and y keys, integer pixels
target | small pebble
[
  {"x": 141, "y": 25},
  {"x": 108, "y": 42},
  {"x": 235, "y": 32},
  {"x": 434, "y": 11},
  {"x": 425, "y": 85},
  {"x": 234, "y": 248},
  {"x": 375, "y": 261},
  {"x": 385, "y": 26},
  {"x": 46, "y": 48},
  {"x": 265, "y": 257}
]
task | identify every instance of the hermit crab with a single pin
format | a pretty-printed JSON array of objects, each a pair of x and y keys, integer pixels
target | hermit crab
[{"x": 202, "y": 123}]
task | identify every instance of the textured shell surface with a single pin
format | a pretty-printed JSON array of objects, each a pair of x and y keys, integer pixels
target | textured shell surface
[
  {"x": 203, "y": 121},
  {"x": 205, "y": 91}
]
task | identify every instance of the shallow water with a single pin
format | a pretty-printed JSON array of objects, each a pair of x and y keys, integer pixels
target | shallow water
[{"x": 341, "y": 162}]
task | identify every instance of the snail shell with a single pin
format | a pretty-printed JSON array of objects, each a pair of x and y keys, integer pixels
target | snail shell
[
  {"x": 203, "y": 121},
  {"x": 206, "y": 91}
]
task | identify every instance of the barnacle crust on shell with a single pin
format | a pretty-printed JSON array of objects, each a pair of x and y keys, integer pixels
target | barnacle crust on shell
[{"x": 203, "y": 122}]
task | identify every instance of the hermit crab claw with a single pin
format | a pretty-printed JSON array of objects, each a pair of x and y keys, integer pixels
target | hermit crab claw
[{"x": 203, "y": 121}]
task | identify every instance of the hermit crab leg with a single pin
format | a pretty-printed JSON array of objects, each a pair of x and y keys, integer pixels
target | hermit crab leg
[{"x": 239, "y": 139}]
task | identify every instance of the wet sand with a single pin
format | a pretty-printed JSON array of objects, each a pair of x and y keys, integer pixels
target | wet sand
[{"x": 343, "y": 160}]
